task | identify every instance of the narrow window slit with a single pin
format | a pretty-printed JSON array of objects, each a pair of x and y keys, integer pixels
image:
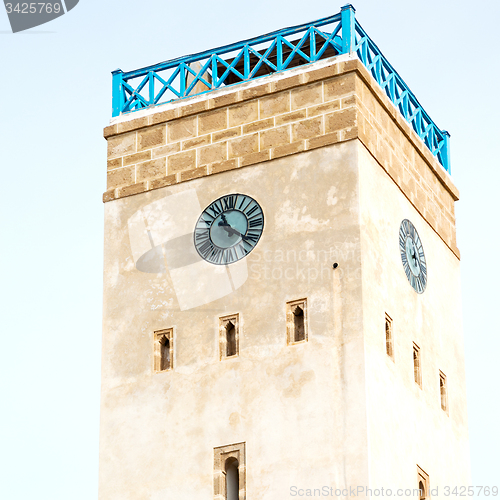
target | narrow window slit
[
  {"x": 298, "y": 324},
  {"x": 389, "y": 345},
  {"x": 443, "y": 390},
  {"x": 163, "y": 350},
  {"x": 232, "y": 479},
  {"x": 417, "y": 373},
  {"x": 165, "y": 353},
  {"x": 296, "y": 321},
  {"x": 230, "y": 339}
]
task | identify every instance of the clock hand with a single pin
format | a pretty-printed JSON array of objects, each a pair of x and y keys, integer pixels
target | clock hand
[
  {"x": 414, "y": 257},
  {"x": 227, "y": 227}
]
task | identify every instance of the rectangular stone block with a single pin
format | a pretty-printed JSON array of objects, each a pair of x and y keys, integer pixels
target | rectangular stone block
[
  {"x": 260, "y": 125},
  {"x": 288, "y": 149},
  {"x": 291, "y": 117},
  {"x": 367, "y": 98},
  {"x": 324, "y": 140},
  {"x": 322, "y": 109},
  {"x": 120, "y": 177},
  {"x": 351, "y": 65},
  {"x": 224, "y": 100},
  {"x": 132, "y": 124},
  {"x": 109, "y": 195},
  {"x": 136, "y": 158},
  {"x": 181, "y": 161},
  {"x": 321, "y": 74},
  {"x": 184, "y": 128},
  {"x": 258, "y": 91},
  {"x": 109, "y": 131},
  {"x": 349, "y": 133},
  {"x": 168, "y": 180},
  {"x": 153, "y": 168},
  {"x": 140, "y": 187},
  {"x": 191, "y": 109},
  {"x": 253, "y": 158},
  {"x": 193, "y": 173},
  {"x": 226, "y": 134},
  {"x": 350, "y": 101},
  {"x": 151, "y": 137},
  {"x": 243, "y": 113},
  {"x": 212, "y": 121},
  {"x": 166, "y": 150},
  {"x": 196, "y": 142},
  {"x": 215, "y": 152},
  {"x": 288, "y": 83},
  {"x": 367, "y": 134},
  {"x": 164, "y": 116},
  {"x": 340, "y": 119},
  {"x": 307, "y": 96},
  {"x": 116, "y": 163},
  {"x": 244, "y": 146},
  {"x": 339, "y": 86},
  {"x": 307, "y": 129},
  {"x": 274, "y": 105},
  {"x": 121, "y": 145},
  {"x": 223, "y": 166},
  {"x": 274, "y": 137}
]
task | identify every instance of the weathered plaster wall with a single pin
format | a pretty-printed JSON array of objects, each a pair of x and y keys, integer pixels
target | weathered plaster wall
[
  {"x": 406, "y": 423},
  {"x": 300, "y": 409}
]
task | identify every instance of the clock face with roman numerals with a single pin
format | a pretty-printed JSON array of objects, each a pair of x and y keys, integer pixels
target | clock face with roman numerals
[
  {"x": 412, "y": 255},
  {"x": 228, "y": 229}
]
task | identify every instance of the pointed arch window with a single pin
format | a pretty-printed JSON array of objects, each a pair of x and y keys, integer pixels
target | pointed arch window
[
  {"x": 229, "y": 336},
  {"x": 296, "y": 321},
  {"x": 423, "y": 484},
  {"x": 163, "y": 349}
]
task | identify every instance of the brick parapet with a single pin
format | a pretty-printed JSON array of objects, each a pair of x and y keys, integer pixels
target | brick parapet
[{"x": 310, "y": 108}]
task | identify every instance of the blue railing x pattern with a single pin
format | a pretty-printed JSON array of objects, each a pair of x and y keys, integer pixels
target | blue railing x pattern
[{"x": 272, "y": 53}]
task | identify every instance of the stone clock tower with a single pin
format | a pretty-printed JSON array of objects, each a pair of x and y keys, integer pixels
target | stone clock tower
[{"x": 281, "y": 279}]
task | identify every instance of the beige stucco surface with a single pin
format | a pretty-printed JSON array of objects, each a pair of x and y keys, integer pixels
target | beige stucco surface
[
  {"x": 406, "y": 425},
  {"x": 301, "y": 409}
]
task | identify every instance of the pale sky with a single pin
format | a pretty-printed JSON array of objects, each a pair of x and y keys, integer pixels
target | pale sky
[{"x": 55, "y": 89}]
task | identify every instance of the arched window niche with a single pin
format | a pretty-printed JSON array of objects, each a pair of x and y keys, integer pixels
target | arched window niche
[
  {"x": 230, "y": 472},
  {"x": 229, "y": 335},
  {"x": 163, "y": 350},
  {"x": 296, "y": 321}
]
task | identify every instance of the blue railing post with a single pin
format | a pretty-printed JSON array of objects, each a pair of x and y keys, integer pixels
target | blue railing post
[
  {"x": 446, "y": 151},
  {"x": 348, "y": 28},
  {"x": 117, "y": 93}
]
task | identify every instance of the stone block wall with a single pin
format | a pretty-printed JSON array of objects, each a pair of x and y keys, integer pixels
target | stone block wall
[{"x": 288, "y": 113}]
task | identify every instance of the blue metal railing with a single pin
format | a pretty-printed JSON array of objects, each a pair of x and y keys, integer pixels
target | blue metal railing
[{"x": 272, "y": 53}]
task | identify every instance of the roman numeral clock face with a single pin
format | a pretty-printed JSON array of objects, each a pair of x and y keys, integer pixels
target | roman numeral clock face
[
  {"x": 412, "y": 256},
  {"x": 228, "y": 229}
]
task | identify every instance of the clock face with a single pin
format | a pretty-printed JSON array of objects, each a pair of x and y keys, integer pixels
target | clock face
[
  {"x": 228, "y": 229},
  {"x": 412, "y": 255}
]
